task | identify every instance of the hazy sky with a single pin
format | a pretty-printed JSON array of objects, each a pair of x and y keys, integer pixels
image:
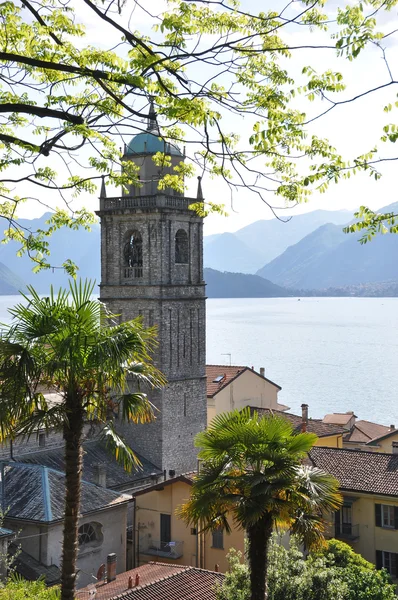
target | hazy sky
[{"x": 352, "y": 128}]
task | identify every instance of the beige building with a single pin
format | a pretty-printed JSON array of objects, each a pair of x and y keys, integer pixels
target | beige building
[
  {"x": 231, "y": 387},
  {"x": 387, "y": 442},
  {"x": 368, "y": 520}
]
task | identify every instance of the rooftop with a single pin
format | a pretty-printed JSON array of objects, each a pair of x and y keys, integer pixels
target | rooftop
[
  {"x": 148, "y": 574},
  {"x": 358, "y": 470},
  {"x": 148, "y": 142},
  {"x": 339, "y": 418},
  {"x": 219, "y": 376},
  {"x": 364, "y": 431},
  {"x": 316, "y": 426},
  {"x": 94, "y": 454},
  {"x": 36, "y": 493},
  {"x": 190, "y": 583}
]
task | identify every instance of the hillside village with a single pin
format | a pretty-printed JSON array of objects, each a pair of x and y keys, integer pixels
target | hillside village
[{"x": 131, "y": 542}]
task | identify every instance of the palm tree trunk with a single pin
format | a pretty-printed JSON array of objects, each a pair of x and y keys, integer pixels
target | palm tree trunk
[
  {"x": 73, "y": 435},
  {"x": 259, "y": 536}
]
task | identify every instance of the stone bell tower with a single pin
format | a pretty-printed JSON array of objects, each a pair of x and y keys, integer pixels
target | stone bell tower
[{"x": 152, "y": 265}]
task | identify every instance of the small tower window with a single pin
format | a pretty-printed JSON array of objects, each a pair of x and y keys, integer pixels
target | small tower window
[
  {"x": 181, "y": 247},
  {"x": 133, "y": 256}
]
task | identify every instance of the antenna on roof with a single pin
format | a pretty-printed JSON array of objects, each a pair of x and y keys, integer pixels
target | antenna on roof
[{"x": 230, "y": 357}]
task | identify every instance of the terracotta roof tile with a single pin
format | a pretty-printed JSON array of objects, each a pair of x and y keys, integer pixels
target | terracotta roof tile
[
  {"x": 148, "y": 573},
  {"x": 188, "y": 584},
  {"x": 225, "y": 374},
  {"x": 314, "y": 425},
  {"x": 357, "y": 470}
]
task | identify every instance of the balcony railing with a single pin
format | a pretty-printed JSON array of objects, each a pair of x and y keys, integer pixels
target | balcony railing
[
  {"x": 145, "y": 202},
  {"x": 163, "y": 549},
  {"x": 346, "y": 531}
]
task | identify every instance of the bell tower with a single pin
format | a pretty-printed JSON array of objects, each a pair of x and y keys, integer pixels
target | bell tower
[{"x": 152, "y": 265}]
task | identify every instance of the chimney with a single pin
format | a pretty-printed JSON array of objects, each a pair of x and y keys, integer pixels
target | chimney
[
  {"x": 137, "y": 579},
  {"x": 304, "y": 417},
  {"x": 100, "y": 475},
  {"x": 130, "y": 584},
  {"x": 392, "y": 427},
  {"x": 395, "y": 447},
  {"x": 216, "y": 568},
  {"x": 262, "y": 371},
  {"x": 111, "y": 567}
]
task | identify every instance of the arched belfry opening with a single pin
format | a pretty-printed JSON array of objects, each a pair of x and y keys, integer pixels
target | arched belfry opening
[{"x": 133, "y": 256}]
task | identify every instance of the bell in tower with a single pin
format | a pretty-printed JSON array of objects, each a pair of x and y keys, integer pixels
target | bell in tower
[{"x": 152, "y": 266}]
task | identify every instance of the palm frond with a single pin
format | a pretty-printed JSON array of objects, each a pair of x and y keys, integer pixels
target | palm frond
[
  {"x": 137, "y": 408},
  {"x": 118, "y": 447}
]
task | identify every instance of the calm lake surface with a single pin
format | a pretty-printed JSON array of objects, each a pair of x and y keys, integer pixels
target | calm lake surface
[{"x": 335, "y": 354}]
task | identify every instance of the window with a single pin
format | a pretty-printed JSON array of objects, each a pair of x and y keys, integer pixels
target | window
[
  {"x": 194, "y": 531},
  {"x": 181, "y": 247},
  {"x": 343, "y": 521},
  {"x": 90, "y": 534},
  {"x": 218, "y": 378},
  {"x": 133, "y": 264},
  {"x": 386, "y": 516},
  {"x": 42, "y": 440},
  {"x": 388, "y": 561},
  {"x": 218, "y": 538}
]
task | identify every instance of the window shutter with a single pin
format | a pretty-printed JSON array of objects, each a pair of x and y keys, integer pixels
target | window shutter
[
  {"x": 379, "y": 559},
  {"x": 394, "y": 565},
  {"x": 378, "y": 514},
  {"x": 395, "y": 517}
]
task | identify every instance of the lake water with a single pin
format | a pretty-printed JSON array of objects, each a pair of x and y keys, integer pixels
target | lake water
[{"x": 335, "y": 354}]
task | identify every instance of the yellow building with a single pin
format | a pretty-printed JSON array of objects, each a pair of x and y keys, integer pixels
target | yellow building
[
  {"x": 368, "y": 520},
  {"x": 161, "y": 536},
  {"x": 231, "y": 387},
  {"x": 388, "y": 442}
]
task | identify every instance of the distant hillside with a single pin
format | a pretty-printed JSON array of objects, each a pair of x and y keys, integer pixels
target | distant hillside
[
  {"x": 328, "y": 258},
  {"x": 238, "y": 285},
  {"x": 301, "y": 265},
  {"x": 10, "y": 283},
  {"x": 81, "y": 246},
  {"x": 226, "y": 252},
  {"x": 265, "y": 240}
]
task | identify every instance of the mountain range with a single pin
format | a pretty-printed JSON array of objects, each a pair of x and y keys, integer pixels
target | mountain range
[
  {"x": 255, "y": 245},
  {"x": 323, "y": 261}
]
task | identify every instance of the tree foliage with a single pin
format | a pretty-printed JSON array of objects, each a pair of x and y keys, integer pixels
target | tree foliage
[
  {"x": 17, "y": 588},
  {"x": 66, "y": 106},
  {"x": 336, "y": 573}
]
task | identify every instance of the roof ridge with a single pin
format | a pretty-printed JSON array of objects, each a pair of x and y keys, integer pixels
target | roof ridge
[
  {"x": 128, "y": 593},
  {"x": 231, "y": 366},
  {"x": 371, "y": 452}
]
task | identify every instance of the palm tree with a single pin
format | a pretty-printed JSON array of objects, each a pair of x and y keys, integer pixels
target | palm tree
[
  {"x": 253, "y": 472},
  {"x": 69, "y": 344}
]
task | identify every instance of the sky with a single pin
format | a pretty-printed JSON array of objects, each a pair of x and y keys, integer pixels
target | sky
[{"x": 352, "y": 128}]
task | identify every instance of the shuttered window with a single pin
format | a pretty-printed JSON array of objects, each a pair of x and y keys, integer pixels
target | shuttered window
[
  {"x": 218, "y": 539},
  {"x": 386, "y": 516},
  {"x": 388, "y": 561}
]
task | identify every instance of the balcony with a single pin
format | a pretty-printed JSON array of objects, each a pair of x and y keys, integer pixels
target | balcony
[
  {"x": 153, "y": 547},
  {"x": 146, "y": 202},
  {"x": 346, "y": 531}
]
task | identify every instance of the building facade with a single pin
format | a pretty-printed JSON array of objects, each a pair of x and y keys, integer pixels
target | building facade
[{"x": 152, "y": 266}]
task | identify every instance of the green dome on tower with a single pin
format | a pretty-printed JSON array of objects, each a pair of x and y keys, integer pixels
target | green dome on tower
[{"x": 149, "y": 142}]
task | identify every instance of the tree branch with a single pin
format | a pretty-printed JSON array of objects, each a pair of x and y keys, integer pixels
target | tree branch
[{"x": 41, "y": 111}]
